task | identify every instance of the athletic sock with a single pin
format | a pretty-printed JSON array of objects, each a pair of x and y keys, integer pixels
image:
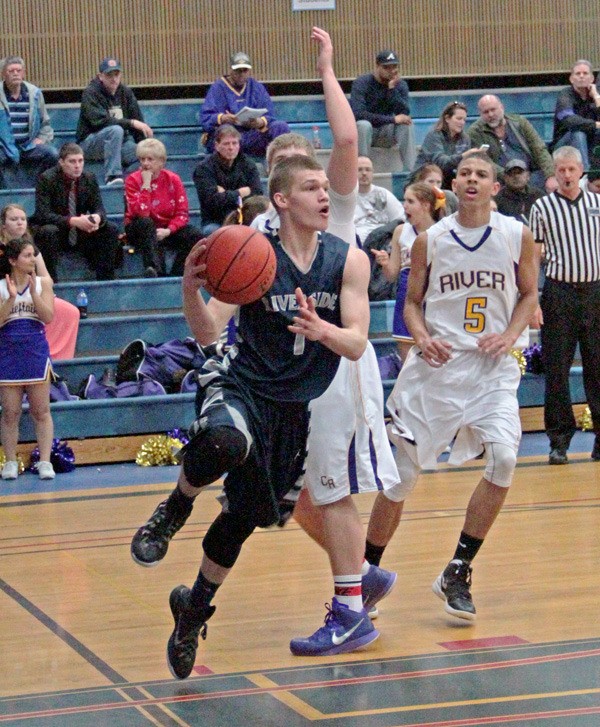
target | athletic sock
[
  {"x": 467, "y": 547},
  {"x": 365, "y": 567},
  {"x": 348, "y": 590},
  {"x": 202, "y": 592},
  {"x": 373, "y": 553},
  {"x": 180, "y": 502}
]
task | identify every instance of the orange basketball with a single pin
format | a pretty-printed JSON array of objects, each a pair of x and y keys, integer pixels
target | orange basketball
[{"x": 240, "y": 264}]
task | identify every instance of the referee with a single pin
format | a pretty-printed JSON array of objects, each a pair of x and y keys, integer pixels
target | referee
[{"x": 567, "y": 222}]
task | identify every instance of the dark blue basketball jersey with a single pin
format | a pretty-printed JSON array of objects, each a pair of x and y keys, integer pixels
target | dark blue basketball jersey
[{"x": 270, "y": 360}]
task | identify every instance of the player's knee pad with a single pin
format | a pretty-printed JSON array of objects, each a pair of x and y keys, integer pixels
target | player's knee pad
[
  {"x": 225, "y": 537},
  {"x": 408, "y": 471},
  {"x": 501, "y": 463},
  {"x": 211, "y": 453}
]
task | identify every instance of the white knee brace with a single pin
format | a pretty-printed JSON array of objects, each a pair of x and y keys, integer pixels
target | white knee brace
[
  {"x": 501, "y": 463},
  {"x": 408, "y": 471}
]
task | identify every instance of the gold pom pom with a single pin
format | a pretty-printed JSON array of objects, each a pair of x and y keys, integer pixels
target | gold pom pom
[
  {"x": 19, "y": 461},
  {"x": 159, "y": 450},
  {"x": 521, "y": 360},
  {"x": 585, "y": 420}
]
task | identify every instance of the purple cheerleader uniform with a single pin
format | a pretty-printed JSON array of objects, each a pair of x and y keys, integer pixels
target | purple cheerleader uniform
[
  {"x": 399, "y": 330},
  {"x": 24, "y": 351}
]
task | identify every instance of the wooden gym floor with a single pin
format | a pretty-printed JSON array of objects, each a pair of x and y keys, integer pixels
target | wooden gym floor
[{"x": 83, "y": 630}]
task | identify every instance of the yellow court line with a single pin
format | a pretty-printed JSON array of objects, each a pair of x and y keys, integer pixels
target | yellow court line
[
  {"x": 290, "y": 700},
  {"x": 140, "y": 709},
  {"x": 462, "y": 703},
  {"x": 164, "y": 708}
]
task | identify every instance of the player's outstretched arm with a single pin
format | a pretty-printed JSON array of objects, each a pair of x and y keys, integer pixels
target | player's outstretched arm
[
  {"x": 435, "y": 352},
  {"x": 350, "y": 340},
  {"x": 342, "y": 169},
  {"x": 496, "y": 344},
  {"x": 206, "y": 320}
]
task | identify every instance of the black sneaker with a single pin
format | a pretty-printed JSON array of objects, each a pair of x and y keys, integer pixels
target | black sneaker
[
  {"x": 151, "y": 542},
  {"x": 189, "y": 624},
  {"x": 558, "y": 456},
  {"x": 453, "y": 586},
  {"x": 596, "y": 450}
]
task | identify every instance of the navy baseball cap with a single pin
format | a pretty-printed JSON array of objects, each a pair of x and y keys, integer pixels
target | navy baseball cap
[
  {"x": 108, "y": 65},
  {"x": 387, "y": 58}
]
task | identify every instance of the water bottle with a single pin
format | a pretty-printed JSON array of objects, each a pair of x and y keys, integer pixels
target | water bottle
[
  {"x": 316, "y": 140},
  {"x": 82, "y": 303}
]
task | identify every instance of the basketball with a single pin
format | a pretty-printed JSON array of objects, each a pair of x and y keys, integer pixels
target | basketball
[{"x": 240, "y": 264}]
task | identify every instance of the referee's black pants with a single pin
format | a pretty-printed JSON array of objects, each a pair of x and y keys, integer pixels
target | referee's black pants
[{"x": 571, "y": 316}]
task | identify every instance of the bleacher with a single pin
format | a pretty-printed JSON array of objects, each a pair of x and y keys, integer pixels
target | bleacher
[{"x": 125, "y": 309}]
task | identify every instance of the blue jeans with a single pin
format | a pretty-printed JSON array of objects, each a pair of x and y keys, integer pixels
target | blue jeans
[{"x": 110, "y": 146}]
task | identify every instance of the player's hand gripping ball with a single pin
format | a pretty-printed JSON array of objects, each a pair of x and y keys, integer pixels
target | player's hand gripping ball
[{"x": 240, "y": 264}]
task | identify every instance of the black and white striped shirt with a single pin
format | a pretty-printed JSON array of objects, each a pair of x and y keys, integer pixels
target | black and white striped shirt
[{"x": 570, "y": 231}]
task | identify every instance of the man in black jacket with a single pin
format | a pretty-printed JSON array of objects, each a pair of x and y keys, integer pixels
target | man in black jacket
[
  {"x": 224, "y": 179},
  {"x": 69, "y": 215},
  {"x": 577, "y": 112},
  {"x": 110, "y": 122}
]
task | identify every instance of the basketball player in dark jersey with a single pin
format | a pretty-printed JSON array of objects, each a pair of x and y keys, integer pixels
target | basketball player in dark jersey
[{"x": 254, "y": 419}]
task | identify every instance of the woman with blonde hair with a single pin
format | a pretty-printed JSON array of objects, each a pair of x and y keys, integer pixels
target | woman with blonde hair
[
  {"x": 424, "y": 205},
  {"x": 157, "y": 211}
]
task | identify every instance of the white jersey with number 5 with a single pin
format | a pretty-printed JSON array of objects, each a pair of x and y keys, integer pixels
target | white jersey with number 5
[{"x": 472, "y": 282}]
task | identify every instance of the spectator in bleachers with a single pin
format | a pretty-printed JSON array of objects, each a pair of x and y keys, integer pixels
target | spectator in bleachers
[
  {"x": 110, "y": 122},
  {"x": 69, "y": 215},
  {"x": 381, "y": 108},
  {"x": 157, "y": 215},
  {"x": 61, "y": 331},
  {"x": 511, "y": 136},
  {"x": 224, "y": 179},
  {"x": 447, "y": 143},
  {"x": 432, "y": 175},
  {"x": 375, "y": 206},
  {"x": 230, "y": 94},
  {"x": 517, "y": 196},
  {"x": 577, "y": 112},
  {"x": 25, "y": 131},
  {"x": 251, "y": 208}
]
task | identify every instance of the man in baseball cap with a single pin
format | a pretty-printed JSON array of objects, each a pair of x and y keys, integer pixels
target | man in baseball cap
[
  {"x": 235, "y": 92},
  {"x": 110, "y": 122},
  {"x": 381, "y": 108},
  {"x": 517, "y": 196}
]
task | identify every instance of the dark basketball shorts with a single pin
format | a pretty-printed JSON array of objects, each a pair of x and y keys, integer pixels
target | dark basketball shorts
[{"x": 276, "y": 433}]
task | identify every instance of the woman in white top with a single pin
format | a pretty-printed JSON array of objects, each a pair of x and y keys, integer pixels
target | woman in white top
[
  {"x": 26, "y": 304},
  {"x": 423, "y": 206}
]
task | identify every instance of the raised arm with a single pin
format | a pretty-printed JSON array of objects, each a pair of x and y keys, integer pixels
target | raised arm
[
  {"x": 349, "y": 340},
  {"x": 342, "y": 170}
]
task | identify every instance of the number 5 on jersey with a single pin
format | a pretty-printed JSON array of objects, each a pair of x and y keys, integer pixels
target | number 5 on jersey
[{"x": 474, "y": 315}]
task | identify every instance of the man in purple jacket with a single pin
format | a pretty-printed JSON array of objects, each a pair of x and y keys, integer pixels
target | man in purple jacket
[{"x": 228, "y": 96}]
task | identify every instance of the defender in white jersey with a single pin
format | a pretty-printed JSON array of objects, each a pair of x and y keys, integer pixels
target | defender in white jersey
[
  {"x": 476, "y": 274},
  {"x": 348, "y": 450}
]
